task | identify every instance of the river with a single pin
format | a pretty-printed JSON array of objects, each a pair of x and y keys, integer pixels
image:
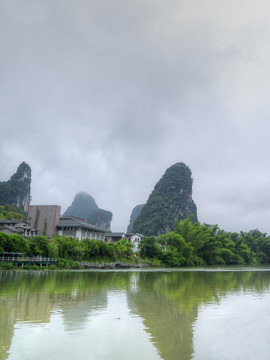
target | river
[{"x": 200, "y": 314}]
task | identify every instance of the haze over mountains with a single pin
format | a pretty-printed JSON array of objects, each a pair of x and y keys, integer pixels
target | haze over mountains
[
  {"x": 170, "y": 199},
  {"x": 84, "y": 206}
]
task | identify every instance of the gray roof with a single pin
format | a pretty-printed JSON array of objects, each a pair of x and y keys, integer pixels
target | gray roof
[
  {"x": 114, "y": 234},
  {"x": 10, "y": 221},
  {"x": 71, "y": 221},
  {"x": 10, "y": 228},
  {"x": 132, "y": 234}
]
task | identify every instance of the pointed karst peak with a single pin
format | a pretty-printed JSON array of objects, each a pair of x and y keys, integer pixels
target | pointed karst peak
[
  {"x": 82, "y": 205},
  {"x": 23, "y": 172},
  {"x": 16, "y": 191},
  {"x": 171, "y": 199}
]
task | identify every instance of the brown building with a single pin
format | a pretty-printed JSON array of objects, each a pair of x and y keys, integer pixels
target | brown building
[{"x": 44, "y": 218}]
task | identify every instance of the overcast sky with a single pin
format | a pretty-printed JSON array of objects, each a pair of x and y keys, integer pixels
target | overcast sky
[{"x": 103, "y": 96}]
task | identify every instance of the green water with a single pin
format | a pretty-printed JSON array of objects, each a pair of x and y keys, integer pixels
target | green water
[{"x": 201, "y": 314}]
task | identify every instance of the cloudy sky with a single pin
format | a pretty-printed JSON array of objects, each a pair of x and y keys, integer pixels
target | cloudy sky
[{"x": 103, "y": 96}]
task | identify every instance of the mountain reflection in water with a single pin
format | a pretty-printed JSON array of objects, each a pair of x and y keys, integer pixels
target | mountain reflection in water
[{"x": 124, "y": 314}]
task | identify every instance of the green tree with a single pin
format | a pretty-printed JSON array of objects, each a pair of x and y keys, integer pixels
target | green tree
[{"x": 149, "y": 248}]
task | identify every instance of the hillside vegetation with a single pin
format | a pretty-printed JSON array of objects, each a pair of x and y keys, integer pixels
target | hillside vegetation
[
  {"x": 16, "y": 191},
  {"x": 171, "y": 199}
]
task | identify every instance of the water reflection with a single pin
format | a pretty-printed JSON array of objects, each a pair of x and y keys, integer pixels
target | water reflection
[{"x": 122, "y": 315}]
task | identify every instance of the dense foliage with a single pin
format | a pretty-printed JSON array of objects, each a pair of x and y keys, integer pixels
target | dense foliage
[
  {"x": 189, "y": 244},
  {"x": 201, "y": 244},
  {"x": 171, "y": 199},
  {"x": 68, "y": 248},
  {"x": 11, "y": 212},
  {"x": 17, "y": 190}
]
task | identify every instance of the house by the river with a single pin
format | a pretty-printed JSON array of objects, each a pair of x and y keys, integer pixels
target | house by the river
[
  {"x": 79, "y": 229},
  {"x": 116, "y": 236}
]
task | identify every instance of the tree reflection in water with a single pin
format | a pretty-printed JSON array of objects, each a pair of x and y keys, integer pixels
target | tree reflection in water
[{"x": 166, "y": 301}]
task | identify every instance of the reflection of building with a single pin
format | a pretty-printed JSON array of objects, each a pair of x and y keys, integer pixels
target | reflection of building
[
  {"x": 79, "y": 229},
  {"x": 29, "y": 298},
  {"x": 19, "y": 306},
  {"x": 44, "y": 218}
]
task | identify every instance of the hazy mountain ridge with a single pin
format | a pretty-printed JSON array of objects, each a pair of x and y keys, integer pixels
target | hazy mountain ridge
[
  {"x": 84, "y": 206},
  {"x": 101, "y": 218}
]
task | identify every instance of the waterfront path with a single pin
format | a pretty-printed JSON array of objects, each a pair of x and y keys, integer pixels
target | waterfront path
[
  {"x": 35, "y": 260},
  {"x": 42, "y": 261}
]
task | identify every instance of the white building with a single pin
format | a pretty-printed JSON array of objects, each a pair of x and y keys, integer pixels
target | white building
[
  {"x": 79, "y": 229},
  {"x": 135, "y": 239}
]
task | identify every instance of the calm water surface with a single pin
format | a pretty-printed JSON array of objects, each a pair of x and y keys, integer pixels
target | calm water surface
[{"x": 200, "y": 314}]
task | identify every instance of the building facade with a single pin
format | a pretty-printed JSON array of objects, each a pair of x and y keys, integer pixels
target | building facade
[
  {"x": 20, "y": 227},
  {"x": 44, "y": 218},
  {"x": 135, "y": 239},
  {"x": 79, "y": 229}
]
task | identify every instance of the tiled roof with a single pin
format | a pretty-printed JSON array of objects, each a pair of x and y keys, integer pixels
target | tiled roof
[
  {"x": 132, "y": 234},
  {"x": 114, "y": 234},
  {"x": 11, "y": 228},
  {"x": 75, "y": 222},
  {"x": 10, "y": 221}
]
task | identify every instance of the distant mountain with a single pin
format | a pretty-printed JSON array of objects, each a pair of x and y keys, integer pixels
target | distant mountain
[
  {"x": 134, "y": 214},
  {"x": 84, "y": 206},
  {"x": 171, "y": 199},
  {"x": 17, "y": 190},
  {"x": 101, "y": 218}
]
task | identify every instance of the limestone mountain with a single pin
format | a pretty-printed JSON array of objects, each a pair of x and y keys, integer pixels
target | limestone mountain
[
  {"x": 84, "y": 206},
  {"x": 171, "y": 199},
  {"x": 134, "y": 214},
  {"x": 17, "y": 190},
  {"x": 101, "y": 218}
]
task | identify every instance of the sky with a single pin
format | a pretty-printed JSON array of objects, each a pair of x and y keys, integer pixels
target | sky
[{"x": 103, "y": 96}]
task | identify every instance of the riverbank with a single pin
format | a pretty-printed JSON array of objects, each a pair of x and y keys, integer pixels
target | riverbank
[{"x": 73, "y": 265}]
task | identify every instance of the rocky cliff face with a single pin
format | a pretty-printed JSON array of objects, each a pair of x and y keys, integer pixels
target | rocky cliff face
[
  {"x": 171, "y": 199},
  {"x": 101, "y": 218},
  {"x": 85, "y": 207},
  {"x": 17, "y": 190},
  {"x": 134, "y": 214}
]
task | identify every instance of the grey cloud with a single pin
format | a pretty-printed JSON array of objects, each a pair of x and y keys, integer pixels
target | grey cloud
[{"x": 103, "y": 96}]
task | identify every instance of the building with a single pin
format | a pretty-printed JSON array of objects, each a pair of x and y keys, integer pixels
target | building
[
  {"x": 114, "y": 236},
  {"x": 79, "y": 229},
  {"x": 44, "y": 218},
  {"x": 135, "y": 239},
  {"x": 20, "y": 227}
]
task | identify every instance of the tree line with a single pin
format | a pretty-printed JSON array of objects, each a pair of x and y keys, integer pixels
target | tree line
[
  {"x": 64, "y": 247},
  {"x": 189, "y": 244},
  {"x": 195, "y": 244}
]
